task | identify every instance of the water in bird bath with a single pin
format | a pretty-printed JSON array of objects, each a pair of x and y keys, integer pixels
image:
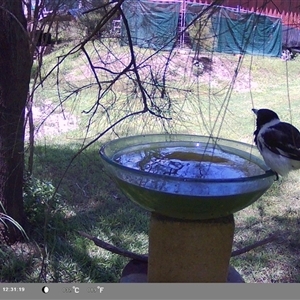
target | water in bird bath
[{"x": 199, "y": 162}]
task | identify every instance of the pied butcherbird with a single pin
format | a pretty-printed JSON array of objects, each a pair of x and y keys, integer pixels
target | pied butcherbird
[{"x": 278, "y": 142}]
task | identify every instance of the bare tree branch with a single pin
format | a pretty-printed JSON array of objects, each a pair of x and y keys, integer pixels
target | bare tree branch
[
  {"x": 265, "y": 241},
  {"x": 114, "y": 249},
  {"x": 143, "y": 257}
]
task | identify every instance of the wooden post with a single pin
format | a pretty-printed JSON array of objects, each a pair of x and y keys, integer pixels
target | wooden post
[{"x": 189, "y": 251}]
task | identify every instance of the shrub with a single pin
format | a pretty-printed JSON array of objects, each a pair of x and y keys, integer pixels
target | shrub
[{"x": 42, "y": 204}]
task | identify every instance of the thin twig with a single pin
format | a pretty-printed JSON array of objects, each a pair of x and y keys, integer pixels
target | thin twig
[
  {"x": 114, "y": 249},
  {"x": 255, "y": 245}
]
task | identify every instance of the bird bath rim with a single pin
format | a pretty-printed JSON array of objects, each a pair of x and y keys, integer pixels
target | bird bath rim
[{"x": 256, "y": 160}]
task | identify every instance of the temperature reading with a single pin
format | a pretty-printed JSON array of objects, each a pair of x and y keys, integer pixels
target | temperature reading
[{"x": 98, "y": 289}]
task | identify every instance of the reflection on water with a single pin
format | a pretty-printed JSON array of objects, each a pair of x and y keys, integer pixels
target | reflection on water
[{"x": 200, "y": 161}]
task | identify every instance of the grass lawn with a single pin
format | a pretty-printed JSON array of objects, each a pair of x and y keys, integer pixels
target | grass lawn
[{"x": 68, "y": 195}]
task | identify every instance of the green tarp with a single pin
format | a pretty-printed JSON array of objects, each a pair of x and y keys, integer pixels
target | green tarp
[
  {"x": 235, "y": 32},
  {"x": 248, "y": 33},
  {"x": 155, "y": 25},
  {"x": 151, "y": 24}
]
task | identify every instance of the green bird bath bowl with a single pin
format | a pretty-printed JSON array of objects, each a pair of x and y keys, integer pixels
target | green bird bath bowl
[
  {"x": 187, "y": 177},
  {"x": 192, "y": 185}
]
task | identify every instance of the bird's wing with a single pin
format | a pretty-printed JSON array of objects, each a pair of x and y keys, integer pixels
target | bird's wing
[{"x": 284, "y": 139}]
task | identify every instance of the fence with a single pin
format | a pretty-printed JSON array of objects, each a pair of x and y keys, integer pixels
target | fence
[{"x": 287, "y": 10}]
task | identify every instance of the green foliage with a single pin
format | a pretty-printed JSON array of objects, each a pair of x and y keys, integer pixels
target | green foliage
[
  {"x": 5, "y": 218},
  {"x": 89, "y": 21},
  {"x": 13, "y": 267},
  {"x": 86, "y": 201},
  {"x": 42, "y": 204},
  {"x": 201, "y": 35}
]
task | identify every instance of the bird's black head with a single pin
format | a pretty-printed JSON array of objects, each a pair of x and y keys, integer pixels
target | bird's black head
[{"x": 264, "y": 116}]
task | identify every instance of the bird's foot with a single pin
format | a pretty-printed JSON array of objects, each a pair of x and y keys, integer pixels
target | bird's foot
[{"x": 277, "y": 176}]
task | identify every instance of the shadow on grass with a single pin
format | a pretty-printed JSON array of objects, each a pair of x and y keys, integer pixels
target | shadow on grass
[
  {"x": 87, "y": 190},
  {"x": 88, "y": 201},
  {"x": 274, "y": 262}
]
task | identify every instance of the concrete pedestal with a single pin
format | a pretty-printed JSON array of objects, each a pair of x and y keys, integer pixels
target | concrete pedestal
[{"x": 189, "y": 251}]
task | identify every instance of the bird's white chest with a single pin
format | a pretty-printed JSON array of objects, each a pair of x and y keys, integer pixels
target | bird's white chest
[{"x": 278, "y": 163}]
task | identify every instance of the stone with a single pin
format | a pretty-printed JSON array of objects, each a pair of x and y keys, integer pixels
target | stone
[
  {"x": 135, "y": 267},
  {"x": 234, "y": 276},
  {"x": 136, "y": 272},
  {"x": 134, "y": 278}
]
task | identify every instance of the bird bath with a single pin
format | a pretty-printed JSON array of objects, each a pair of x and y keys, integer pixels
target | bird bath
[{"x": 192, "y": 185}]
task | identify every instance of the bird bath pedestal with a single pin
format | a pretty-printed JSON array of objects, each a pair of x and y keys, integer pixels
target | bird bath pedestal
[
  {"x": 192, "y": 185},
  {"x": 189, "y": 251}
]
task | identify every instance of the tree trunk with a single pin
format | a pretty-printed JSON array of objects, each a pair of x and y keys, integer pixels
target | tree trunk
[{"x": 15, "y": 66}]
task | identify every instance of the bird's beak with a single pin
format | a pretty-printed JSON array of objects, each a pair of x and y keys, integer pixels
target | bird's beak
[{"x": 255, "y": 110}]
